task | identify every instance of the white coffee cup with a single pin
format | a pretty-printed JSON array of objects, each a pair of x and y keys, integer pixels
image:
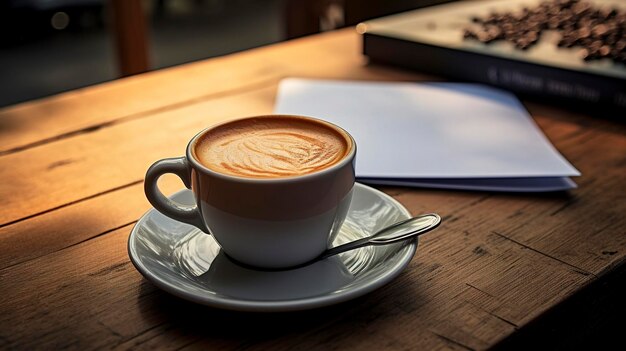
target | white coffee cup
[{"x": 270, "y": 222}]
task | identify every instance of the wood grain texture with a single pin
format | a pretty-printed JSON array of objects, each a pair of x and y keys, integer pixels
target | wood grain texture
[
  {"x": 90, "y": 295},
  {"x": 72, "y": 192},
  {"x": 335, "y": 55},
  {"x": 57, "y": 229},
  {"x": 88, "y": 164}
]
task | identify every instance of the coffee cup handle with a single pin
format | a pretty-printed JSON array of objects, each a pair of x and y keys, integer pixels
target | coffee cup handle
[{"x": 180, "y": 167}]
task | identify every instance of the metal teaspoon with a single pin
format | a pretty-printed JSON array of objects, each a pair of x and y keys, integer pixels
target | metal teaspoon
[{"x": 399, "y": 231}]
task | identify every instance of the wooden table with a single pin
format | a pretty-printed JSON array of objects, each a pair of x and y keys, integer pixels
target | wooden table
[{"x": 501, "y": 265}]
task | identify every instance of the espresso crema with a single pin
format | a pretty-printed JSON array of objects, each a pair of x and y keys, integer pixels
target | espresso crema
[{"x": 271, "y": 147}]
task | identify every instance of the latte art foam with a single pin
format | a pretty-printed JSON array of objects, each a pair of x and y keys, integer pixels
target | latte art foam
[{"x": 271, "y": 147}]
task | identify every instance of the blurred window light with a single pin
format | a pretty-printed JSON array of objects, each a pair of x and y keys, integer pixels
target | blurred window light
[{"x": 60, "y": 20}]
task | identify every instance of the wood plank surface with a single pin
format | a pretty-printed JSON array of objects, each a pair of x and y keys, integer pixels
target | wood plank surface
[
  {"x": 93, "y": 282},
  {"x": 71, "y": 170},
  {"x": 40, "y": 121},
  {"x": 88, "y": 164}
]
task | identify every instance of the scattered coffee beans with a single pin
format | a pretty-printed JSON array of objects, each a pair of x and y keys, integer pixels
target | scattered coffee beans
[{"x": 600, "y": 32}]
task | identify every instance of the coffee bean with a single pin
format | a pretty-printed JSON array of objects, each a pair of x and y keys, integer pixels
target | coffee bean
[
  {"x": 604, "y": 51},
  {"x": 495, "y": 32},
  {"x": 595, "y": 45},
  {"x": 532, "y": 36},
  {"x": 588, "y": 55},
  {"x": 581, "y": 8},
  {"x": 469, "y": 34},
  {"x": 484, "y": 37},
  {"x": 522, "y": 44},
  {"x": 601, "y": 31},
  {"x": 584, "y": 32}
]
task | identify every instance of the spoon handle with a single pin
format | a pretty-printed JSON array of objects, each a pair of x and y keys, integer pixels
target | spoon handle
[{"x": 402, "y": 230}]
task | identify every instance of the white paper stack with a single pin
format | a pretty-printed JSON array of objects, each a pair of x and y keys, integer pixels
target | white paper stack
[{"x": 443, "y": 135}]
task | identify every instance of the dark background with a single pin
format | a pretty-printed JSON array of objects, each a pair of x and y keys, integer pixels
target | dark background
[{"x": 51, "y": 46}]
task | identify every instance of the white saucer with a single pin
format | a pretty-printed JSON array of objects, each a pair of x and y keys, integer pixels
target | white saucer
[{"x": 183, "y": 261}]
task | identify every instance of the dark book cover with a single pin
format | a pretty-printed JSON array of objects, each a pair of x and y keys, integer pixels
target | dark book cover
[{"x": 431, "y": 40}]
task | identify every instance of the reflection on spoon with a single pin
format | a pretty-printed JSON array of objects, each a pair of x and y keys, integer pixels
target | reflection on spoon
[{"x": 399, "y": 231}]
